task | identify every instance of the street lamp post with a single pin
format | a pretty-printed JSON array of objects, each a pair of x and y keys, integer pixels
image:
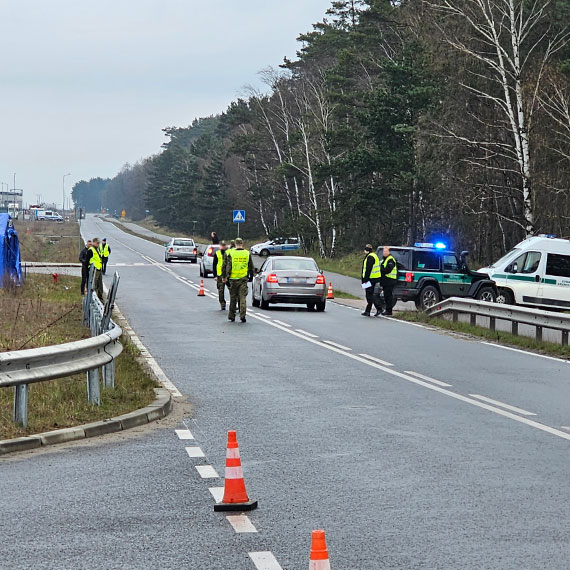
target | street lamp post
[{"x": 63, "y": 193}]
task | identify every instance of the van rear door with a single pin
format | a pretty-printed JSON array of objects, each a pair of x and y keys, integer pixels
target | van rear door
[{"x": 555, "y": 285}]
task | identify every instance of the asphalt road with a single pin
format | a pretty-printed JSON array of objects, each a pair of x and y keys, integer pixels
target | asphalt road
[{"x": 395, "y": 439}]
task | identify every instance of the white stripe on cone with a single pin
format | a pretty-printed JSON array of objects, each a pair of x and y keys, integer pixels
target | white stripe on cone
[
  {"x": 234, "y": 473},
  {"x": 232, "y": 453}
]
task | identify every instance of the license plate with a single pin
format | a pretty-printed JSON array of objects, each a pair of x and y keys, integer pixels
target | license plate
[
  {"x": 185, "y": 249},
  {"x": 296, "y": 280}
]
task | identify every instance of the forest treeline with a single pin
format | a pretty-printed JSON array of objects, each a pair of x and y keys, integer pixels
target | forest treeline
[{"x": 397, "y": 121}]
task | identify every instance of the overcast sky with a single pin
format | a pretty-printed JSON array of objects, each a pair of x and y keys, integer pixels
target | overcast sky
[{"x": 86, "y": 86}]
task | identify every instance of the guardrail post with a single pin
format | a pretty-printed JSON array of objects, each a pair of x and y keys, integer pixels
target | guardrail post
[
  {"x": 492, "y": 323},
  {"x": 109, "y": 375},
  {"x": 538, "y": 332},
  {"x": 93, "y": 391},
  {"x": 473, "y": 320},
  {"x": 21, "y": 405},
  {"x": 455, "y": 316},
  {"x": 565, "y": 338},
  {"x": 515, "y": 328}
]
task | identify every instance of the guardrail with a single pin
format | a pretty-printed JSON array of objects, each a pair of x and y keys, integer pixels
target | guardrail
[
  {"x": 24, "y": 367},
  {"x": 514, "y": 314}
]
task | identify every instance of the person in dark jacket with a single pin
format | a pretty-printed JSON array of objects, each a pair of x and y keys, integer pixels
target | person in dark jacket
[
  {"x": 215, "y": 239},
  {"x": 389, "y": 271},
  {"x": 371, "y": 277},
  {"x": 84, "y": 257}
]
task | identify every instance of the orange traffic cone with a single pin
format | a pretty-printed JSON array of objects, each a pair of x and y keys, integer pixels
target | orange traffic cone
[
  {"x": 201, "y": 293},
  {"x": 319, "y": 552},
  {"x": 330, "y": 294},
  {"x": 235, "y": 495}
]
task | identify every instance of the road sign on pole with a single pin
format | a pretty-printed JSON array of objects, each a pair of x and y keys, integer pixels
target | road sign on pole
[{"x": 239, "y": 218}]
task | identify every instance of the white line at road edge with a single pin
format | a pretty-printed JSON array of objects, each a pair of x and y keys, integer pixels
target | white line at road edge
[
  {"x": 444, "y": 391},
  {"x": 264, "y": 561},
  {"x": 341, "y": 346},
  {"x": 311, "y": 335},
  {"x": 378, "y": 360},
  {"x": 217, "y": 493},
  {"x": 428, "y": 379},
  {"x": 526, "y": 352},
  {"x": 241, "y": 523},
  {"x": 195, "y": 452},
  {"x": 207, "y": 472},
  {"x": 503, "y": 405},
  {"x": 184, "y": 434},
  {"x": 283, "y": 324}
]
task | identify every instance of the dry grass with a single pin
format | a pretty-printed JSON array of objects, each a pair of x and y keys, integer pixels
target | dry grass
[
  {"x": 42, "y": 313},
  {"x": 49, "y": 241}
]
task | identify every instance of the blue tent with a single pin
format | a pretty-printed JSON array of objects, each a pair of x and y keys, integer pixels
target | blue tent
[{"x": 10, "y": 268}]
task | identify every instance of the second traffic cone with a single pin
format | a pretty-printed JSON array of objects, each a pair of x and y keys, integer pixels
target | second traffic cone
[
  {"x": 201, "y": 293},
  {"x": 235, "y": 495},
  {"x": 319, "y": 553},
  {"x": 330, "y": 294}
]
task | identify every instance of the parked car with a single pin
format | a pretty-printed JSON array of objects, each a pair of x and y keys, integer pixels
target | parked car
[
  {"x": 207, "y": 262},
  {"x": 428, "y": 273},
  {"x": 181, "y": 248},
  {"x": 49, "y": 216},
  {"x": 276, "y": 245},
  {"x": 536, "y": 272},
  {"x": 289, "y": 279}
]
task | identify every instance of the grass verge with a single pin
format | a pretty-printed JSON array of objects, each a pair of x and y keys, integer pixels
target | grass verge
[
  {"x": 43, "y": 313},
  {"x": 343, "y": 295},
  {"x": 48, "y": 241},
  {"x": 506, "y": 338}
]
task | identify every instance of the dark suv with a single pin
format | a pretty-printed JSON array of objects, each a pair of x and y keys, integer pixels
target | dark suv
[{"x": 428, "y": 274}]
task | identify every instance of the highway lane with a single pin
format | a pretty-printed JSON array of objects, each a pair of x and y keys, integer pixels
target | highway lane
[{"x": 401, "y": 476}]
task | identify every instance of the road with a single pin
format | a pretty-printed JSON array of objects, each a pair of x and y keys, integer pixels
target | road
[{"x": 413, "y": 449}]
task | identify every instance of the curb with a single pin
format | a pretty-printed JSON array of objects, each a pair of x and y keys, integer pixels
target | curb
[{"x": 160, "y": 408}]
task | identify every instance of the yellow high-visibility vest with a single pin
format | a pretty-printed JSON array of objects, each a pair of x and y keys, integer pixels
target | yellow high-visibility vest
[
  {"x": 220, "y": 256},
  {"x": 394, "y": 273},
  {"x": 96, "y": 259},
  {"x": 104, "y": 251},
  {"x": 375, "y": 273},
  {"x": 240, "y": 263}
]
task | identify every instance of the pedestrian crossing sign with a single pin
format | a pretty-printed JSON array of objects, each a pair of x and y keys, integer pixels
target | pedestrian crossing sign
[{"x": 239, "y": 216}]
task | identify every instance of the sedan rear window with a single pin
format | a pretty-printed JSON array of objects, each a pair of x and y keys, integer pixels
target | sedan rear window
[
  {"x": 184, "y": 242},
  {"x": 294, "y": 265}
]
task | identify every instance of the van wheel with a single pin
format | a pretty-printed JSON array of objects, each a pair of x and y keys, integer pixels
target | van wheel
[
  {"x": 486, "y": 294},
  {"x": 429, "y": 296},
  {"x": 505, "y": 297}
]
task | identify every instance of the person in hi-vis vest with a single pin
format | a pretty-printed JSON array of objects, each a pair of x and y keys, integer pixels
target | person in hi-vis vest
[
  {"x": 218, "y": 273},
  {"x": 104, "y": 252},
  {"x": 371, "y": 278},
  {"x": 238, "y": 270}
]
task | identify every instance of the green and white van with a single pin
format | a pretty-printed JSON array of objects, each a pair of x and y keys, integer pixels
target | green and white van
[{"x": 536, "y": 272}]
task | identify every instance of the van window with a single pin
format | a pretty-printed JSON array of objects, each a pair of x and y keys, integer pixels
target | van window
[
  {"x": 426, "y": 261},
  {"x": 526, "y": 263},
  {"x": 558, "y": 265}
]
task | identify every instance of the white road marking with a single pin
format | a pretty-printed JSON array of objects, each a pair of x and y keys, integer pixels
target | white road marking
[
  {"x": 195, "y": 452},
  {"x": 502, "y": 405},
  {"x": 311, "y": 335},
  {"x": 526, "y": 352},
  {"x": 428, "y": 379},
  {"x": 217, "y": 493},
  {"x": 241, "y": 523},
  {"x": 184, "y": 434},
  {"x": 282, "y": 323},
  {"x": 207, "y": 472},
  {"x": 417, "y": 381},
  {"x": 405, "y": 322},
  {"x": 264, "y": 316},
  {"x": 378, "y": 360},
  {"x": 341, "y": 346},
  {"x": 264, "y": 561},
  {"x": 565, "y": 427}
]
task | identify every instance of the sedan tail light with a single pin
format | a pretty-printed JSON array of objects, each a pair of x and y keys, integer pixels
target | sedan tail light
[
  {"x": 409, "y": 277},
  {"x": 195, "y": 251},
  {"x": 210, "y": 252},
  {"x": 321, "y": 280},
  {"x": 171, "y": 250},
  {"x": 272, "y": 278}
]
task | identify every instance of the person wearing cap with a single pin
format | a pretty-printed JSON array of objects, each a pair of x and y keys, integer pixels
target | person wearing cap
[
  {"x": 104, "y": 252},
  {"x": 238, "y": 271},
  {"x": 94, "y": 258},
  {"x": 218, "y": 273},
  {"x": 371, "y": 274},
  {"x": 84, "y": 257},
  {"x": 389, "y": 276}
]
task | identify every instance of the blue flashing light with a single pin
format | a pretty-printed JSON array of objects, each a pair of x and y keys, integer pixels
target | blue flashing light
[{"x": 440, "y": 245}]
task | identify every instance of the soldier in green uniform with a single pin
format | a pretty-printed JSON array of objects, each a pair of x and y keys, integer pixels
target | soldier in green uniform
[
  {"x": 218, "y": 273},
  {"x": 238, "y": 270}
]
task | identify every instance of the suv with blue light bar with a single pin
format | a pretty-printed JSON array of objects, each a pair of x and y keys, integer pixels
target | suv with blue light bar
[{"x": 430, "y": 272}]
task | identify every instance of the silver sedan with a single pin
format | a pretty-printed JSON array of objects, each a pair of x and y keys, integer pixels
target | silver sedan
[
  {"x": 290, "y": 280},
  {"x": 181, "y": 248}
]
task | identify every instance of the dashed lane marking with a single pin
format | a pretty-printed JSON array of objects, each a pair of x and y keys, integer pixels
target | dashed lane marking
[
  {"x": 264, "y": 561},
  {"x": 263, "y": 316},
  {"x": 378, "y": 360},
  {"x": 184, "y": 434},
  {"x": 310, "y": 335},
  {"x": 502, "y": 405},
  {"x": 517, "y": 418},
  {"x": 195, "y": 452},
  {"x": 217, "y": 493},
  {"x": 341, "y": 346},
  {"x": 207, "y": 472},
  {"x": 282, "y": 323},
  {"x": 428, "y": 379},
  {"x": 241, "y": 523}
]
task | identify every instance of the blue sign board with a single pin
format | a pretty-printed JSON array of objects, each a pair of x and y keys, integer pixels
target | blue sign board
[{"x": 239, "y": 216}]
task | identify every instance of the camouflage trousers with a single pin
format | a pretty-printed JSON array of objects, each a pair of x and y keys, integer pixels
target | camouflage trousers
[{"x": 238, "y": 294}]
